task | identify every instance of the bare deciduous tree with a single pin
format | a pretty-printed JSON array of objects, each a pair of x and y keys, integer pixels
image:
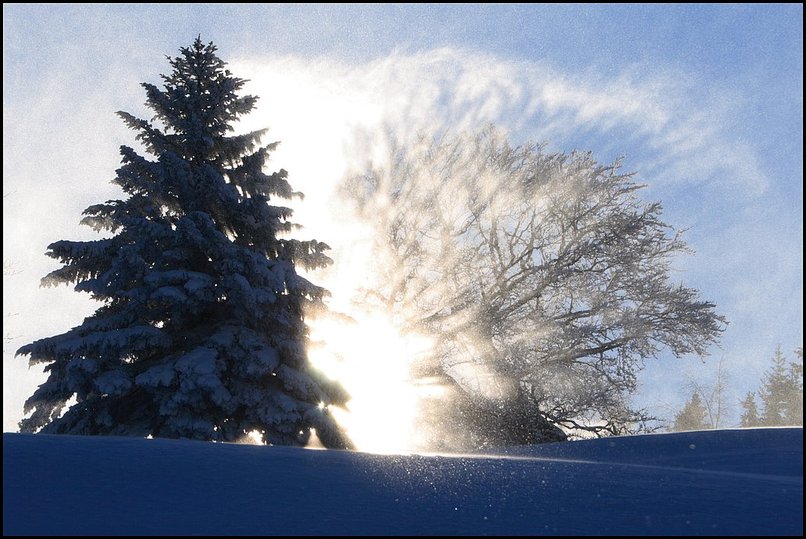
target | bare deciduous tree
[
  {"x": 714, "y": 396},
  {"x": 543, "y": 278}
]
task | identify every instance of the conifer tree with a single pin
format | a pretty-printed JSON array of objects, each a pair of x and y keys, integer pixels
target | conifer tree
[
  {"x": 749, "y": 411},
  {"x": 782, "y": 392},
  {"x": 692, "y": 416},
  {"x": 794, "y": 410},
  {"x": 201, "y": 332}
]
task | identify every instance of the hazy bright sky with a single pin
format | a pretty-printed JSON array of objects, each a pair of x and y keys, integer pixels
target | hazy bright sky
[{"x": 704, "y": 101}]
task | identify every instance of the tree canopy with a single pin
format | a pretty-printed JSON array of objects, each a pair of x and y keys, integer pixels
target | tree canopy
[{"x": 543, "y": 278}]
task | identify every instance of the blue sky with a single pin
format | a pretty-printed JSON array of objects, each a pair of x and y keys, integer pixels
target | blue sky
[{"x": 704, "y": 101}]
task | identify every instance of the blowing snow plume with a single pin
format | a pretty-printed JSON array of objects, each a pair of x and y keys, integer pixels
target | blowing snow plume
[
  {"x": 539, "y": 281},
  {"x": 486, "y": 293}
]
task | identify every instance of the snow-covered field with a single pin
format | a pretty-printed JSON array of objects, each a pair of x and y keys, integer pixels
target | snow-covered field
[{"x": 716, "y": 482}]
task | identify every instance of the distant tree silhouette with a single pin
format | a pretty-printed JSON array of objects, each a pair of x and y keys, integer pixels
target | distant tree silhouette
[
  {"x": 692, "y": 416},
  {"x": 781, "y": 391},
  {"x": 750, "y": 416}
]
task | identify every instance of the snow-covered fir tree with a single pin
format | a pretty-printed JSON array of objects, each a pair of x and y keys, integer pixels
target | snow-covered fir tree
[{"x": 201, "y": 332}]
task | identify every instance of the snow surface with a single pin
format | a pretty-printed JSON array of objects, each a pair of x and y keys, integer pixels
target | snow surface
[{"x": 715, "y": 483}]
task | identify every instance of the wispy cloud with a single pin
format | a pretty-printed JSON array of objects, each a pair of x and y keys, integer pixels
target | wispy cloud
[{"x": 682, "y": 126}]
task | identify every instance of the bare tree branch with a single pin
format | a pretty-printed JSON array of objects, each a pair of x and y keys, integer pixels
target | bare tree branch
[{"x": 547, "y": 270}]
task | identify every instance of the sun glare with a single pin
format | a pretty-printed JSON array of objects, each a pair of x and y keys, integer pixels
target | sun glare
[
  {"x": 372, "y": 358},
  {"x": 370, "y": 355}
]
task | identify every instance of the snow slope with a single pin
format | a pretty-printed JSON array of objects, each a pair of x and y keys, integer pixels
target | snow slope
[{"x": 716, "y": 482}]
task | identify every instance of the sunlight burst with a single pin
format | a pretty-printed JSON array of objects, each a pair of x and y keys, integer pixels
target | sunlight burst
[{"x": 372, "y": 358}]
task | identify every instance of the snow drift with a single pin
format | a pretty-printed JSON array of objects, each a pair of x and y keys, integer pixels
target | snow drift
[{"x": 716, "y": 482}]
